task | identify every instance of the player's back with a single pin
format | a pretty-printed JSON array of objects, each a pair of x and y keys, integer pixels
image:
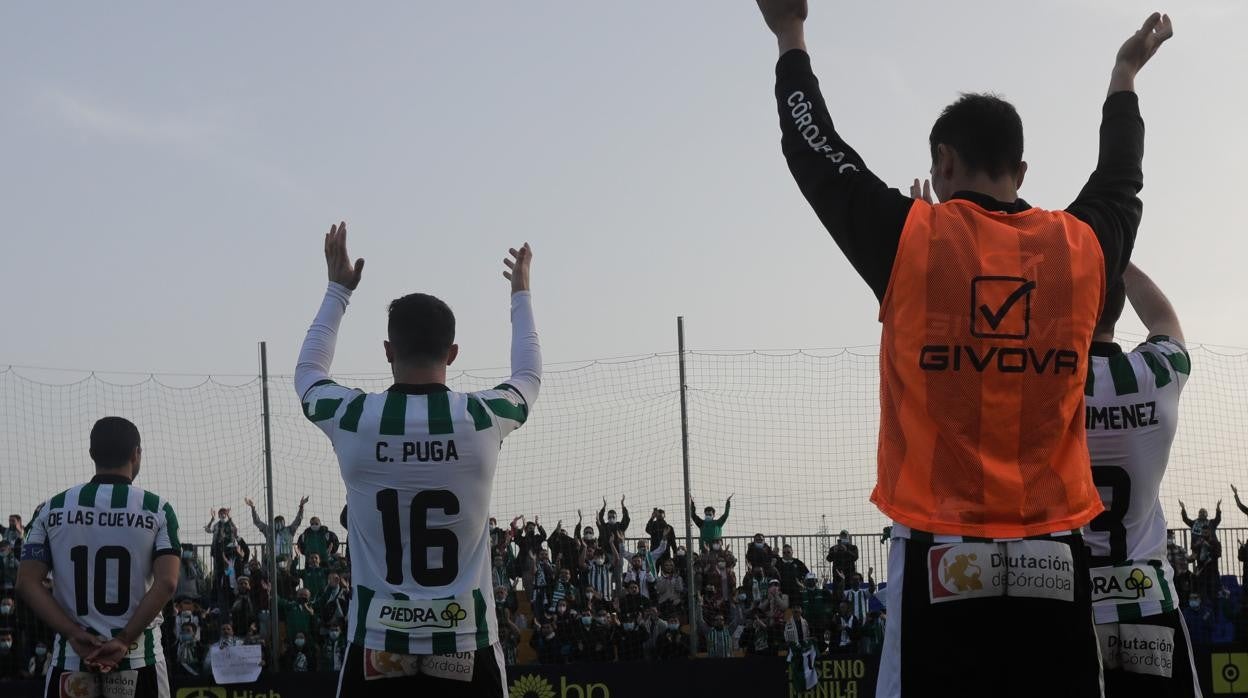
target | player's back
[
  {"x": 100, "y": 539},
  {"x": 418, "y": 462}
]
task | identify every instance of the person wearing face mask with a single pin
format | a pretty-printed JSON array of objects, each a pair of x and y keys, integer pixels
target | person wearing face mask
[
  {"x": 818, "y": 605},
  {"x": 638, "y": 576},
  {"x": 673, "y": 643},
  {"x": 843, "y": 555},
  {"x": 317, "y": 539},
  {"x": 792, "y": 573},
  {"x": 300, "y": 655},
  {"x": 710, "y": 528},
  {"x": 632, "y": 603},
  {"x": 662, "y": 535},
  {"x": 334, "y": 600},
  {"x": 669, "y": 589},
  {"x": 299, "y": 615},
  {"x": 8, "y": 567},
  {"x": 189, "y": 655},
  {"x": 600, "y": 638},
  {"x": 759, "y": 554},
  {"x": 14, "y": 533},
  {"x": 600, "y": 576},
  {"x": 243, "y": 610},
  {"x": 283, "y": 543},
  {"x": 10, "y": 657},
  {"x": 334, "y": 648},
  {"x": 221, "y": 526},
  {"x": 546, "y": 645},
  {"x": 563, "y": 548},
  {"x": 611, "y": 529},
  {"x": 562, "y": 592},
  {"x": 314, "y": 576},
  {"x": 630, "y": 639},
  {"x": 287, "y": 579},
  {"x": 40, "y": 661},
  {"x": 191, "y": 579}
]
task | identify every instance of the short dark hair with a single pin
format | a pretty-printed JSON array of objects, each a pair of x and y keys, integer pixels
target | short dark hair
[
  {"x": 421, "y": 328},
  {"x": 1115, "y": 301},
  {"x": 986, "y": 132},
  {"x": 113, "y": 440}
]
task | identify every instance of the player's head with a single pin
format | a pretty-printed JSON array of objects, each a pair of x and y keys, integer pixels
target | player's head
[
  {"x": 978, "y": 137},
  {"x": 115, "y": 447},
  {"x": 1115, "y": 300},
  {"x": 421, "y": 333}
]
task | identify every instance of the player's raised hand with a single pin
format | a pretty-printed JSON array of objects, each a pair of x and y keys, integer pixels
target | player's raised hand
[
  {"x": 1141, "y": 46},
  {"x": 338, "y": 262},
  {"x": 783, "y": 15},
  {"x": 923, "y": 192},
  {"x": 517, "y": 271}
]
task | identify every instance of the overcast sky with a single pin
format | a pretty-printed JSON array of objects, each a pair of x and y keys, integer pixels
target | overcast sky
[{"x": 171, "y": 168}]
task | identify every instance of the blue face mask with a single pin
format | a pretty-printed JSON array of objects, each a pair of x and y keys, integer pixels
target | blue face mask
[
  {"x": 41, "y": 651},
  {"x": 300, "y": 642},
  {"x": 586, "y": 620},
  {"x": 187, "y": 637},
  {"x": 1194, "y": 603},
  {"x": 630, "y": 626}
]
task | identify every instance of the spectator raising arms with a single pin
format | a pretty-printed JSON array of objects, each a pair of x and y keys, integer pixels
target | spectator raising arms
[
  {"x": 284, "y": 544},
  {"x": 710, "y": 528},
  {"x": 661, "y": 534}
]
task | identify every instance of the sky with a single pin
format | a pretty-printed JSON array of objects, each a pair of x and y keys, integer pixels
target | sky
[{"x": 171, "y": 170}]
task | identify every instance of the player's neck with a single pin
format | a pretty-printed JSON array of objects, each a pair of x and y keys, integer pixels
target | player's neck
[
  {"x": 1002, "y": 189},
  {"x": 1103, "y": 336},
  {"x": 113, "y": 473},
  {"x": 419, "y": 375}
]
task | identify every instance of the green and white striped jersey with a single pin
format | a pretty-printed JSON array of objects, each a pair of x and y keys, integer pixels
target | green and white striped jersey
[
  {"x": 1132, "y": 412},
  {"x": 418, "y": 462},
  {"x": 100, "y": 539}
]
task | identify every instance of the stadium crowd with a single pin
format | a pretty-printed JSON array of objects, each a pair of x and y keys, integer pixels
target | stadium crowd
[{"x": 593, "y": 593}]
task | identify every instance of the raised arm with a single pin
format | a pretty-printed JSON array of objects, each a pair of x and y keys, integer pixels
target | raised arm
[
  {"x": 864, "y": 215},
  {"x": 1151, "y": 304},
  {"x": 317, "y": 352},
  {"x": 526, "y": 350},
  {"x": 255, "y": 518},
  {"x": 1109, "y": 203},
  {"x": 1238, "y": 503}
]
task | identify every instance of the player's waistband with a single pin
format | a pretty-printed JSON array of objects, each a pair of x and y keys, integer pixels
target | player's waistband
[{"x": 899, "y": 530}]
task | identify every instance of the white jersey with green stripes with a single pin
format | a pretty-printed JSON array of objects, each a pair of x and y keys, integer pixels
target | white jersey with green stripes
[
  {"x": 100, "y": 539},
  {"x": 418, "y": 462},
  {"x": 1132, "y": 411}
]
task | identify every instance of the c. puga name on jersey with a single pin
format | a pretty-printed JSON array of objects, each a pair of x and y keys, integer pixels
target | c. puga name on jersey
[{"x": 418, "y": 451}]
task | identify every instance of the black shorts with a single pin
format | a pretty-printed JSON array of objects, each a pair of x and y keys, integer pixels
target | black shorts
[
  {"x": 1150, "y": 656},
  {"x": 989, "y": 619},
  {"x": 488, "y": 676},
  {"x": 144, "y": 682}
]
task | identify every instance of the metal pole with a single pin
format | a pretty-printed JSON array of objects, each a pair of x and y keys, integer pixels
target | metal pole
[
  {"x": 684, "y": 448},
  {"x": 274, "y": 650}
]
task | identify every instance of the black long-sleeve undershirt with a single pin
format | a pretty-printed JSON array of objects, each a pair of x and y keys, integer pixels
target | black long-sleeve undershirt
[{"x": 865, "y": 216}]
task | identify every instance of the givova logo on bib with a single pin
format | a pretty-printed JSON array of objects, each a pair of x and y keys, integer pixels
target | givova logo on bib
[
  {"x": 398, "y": 614},
  {"x": 1025, "y": 568}
]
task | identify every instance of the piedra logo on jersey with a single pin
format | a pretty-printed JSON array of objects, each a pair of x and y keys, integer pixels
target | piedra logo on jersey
[{"x": 398, "y": 614}]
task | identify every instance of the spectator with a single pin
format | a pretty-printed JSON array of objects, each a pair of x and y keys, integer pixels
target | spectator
[
  {"x": 774, "y": 604},
  {"x": 504, "y": 599},
  {"x": 1202, "y": 522},
  {"x": 611, "y": 533},
  {"x": 191, "y": 578},
  {"x": 498, "y": 572},
  {"x": 1206, "y": 552},
  {"x": 587, "y": 542},
  {"x": 651, "y": 557},
  {"x": 314, "y": 577},
  {"x": 600, "y": 643},
  {"x": 792, "y": 573},
  {"x": 284, "y": 543},
  {"x": 334, "y": 648},
  {"x": 843, "y": 555},
  {"x": 190, "y": 657},
  {"x": 333, "y": 602},
  {"x": 1242, "y": 507},
  {"x": 592, "y": 602},
  {"x": 227, "y": 638},
  {"x": 669, "y": 590},
  {"x": 14, "y": 534},
  {"x": 721, "y": 575},
  {"x": 638, "y": 576},
  {"x": 546, "y": 645},
  {"x": 759, "y": 554},
  {"x": 299, "y": 615},
  {"x": 717, "y": 637},
  {"x": 871, "y": 639},
  {"x": 796, "y": 629},
  {"x": 230, "y": 564},
  {"x": 847, "y": 630},
  {"x": 317, "y": 539},
  {"x": 756, "y": 638},
  {"x": 859, "y": 596},
  {"x": 662, "y": 536},
  {"x": 711, "y": 529},
  {"x": 10, "y": 657},
  {"x": 299, "y": 656},
  {"x": 500, "y": 539},
  {"x": 287, "y": 579},
  {"x": 633, "y": 602},
  {"x": 1200, "y": 620},
  {"x": 243, "y": 610},
  {"x": 529, "y": 543},
  {"x": 508, "y": 636},
  {"x": 564, "y": 548},
  {"x": 673, "y": 643},
  {"x": 817, "y": 605},
  {"x": 599, "y": 574},
  {"x": 631, "y": 639},
  {"x": 253, "y": 636},
  {"x": 563, "y": 592},
  {"x": 221, "y": 526},
  {"x": 758, "y": 583},
  {"x": 8, "y": 567},
  {"x": 544, "y": 578},
  {"x": 40, "y": 661}
]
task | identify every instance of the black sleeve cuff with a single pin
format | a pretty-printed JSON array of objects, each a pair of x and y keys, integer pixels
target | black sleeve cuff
[
  {"x": 793, "y": 60},
  {"x": 1119, "y": 102}
]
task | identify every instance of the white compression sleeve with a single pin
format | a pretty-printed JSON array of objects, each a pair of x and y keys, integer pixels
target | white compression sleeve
[{"x": 317, "y": 352}]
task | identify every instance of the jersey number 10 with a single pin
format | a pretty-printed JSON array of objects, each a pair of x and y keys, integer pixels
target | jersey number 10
[
  {"x": 423, "y": 537},
  {"x": 78, "y": 555}
]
